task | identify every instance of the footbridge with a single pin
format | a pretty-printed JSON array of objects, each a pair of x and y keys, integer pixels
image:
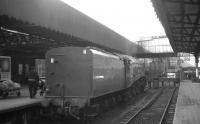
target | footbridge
[{"x": 155, "y": 47}]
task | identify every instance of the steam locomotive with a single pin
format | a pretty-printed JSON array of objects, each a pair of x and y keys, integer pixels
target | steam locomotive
[{"x": 83, "y": 80}]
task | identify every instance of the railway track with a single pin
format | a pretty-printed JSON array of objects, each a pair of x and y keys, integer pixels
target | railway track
[
  {"x": 168, "y": 114},
  {"x": 158, "y": 110}
]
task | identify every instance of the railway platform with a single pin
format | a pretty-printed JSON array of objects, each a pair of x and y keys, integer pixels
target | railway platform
[
  {"x": 188, "y": 103},
  {"x": 13, "y": 104}
]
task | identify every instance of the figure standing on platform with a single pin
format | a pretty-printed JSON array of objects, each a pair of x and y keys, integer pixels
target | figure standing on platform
[
  {"x": 33, "y": 79},
  {"x": 189, "y": 76}
]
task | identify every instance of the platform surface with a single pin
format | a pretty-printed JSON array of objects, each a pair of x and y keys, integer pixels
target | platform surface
[
  {"x": 12, "y": 104},
  {"x": 188, "y": 104}
]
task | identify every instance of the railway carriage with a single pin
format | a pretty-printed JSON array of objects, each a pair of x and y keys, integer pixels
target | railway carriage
[{"x": 83, "y": 79}]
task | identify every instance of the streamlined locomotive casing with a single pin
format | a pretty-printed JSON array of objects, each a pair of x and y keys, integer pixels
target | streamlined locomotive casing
[
  {"x": 108, "y": 73},
  {"x": 78, "y": 74}
]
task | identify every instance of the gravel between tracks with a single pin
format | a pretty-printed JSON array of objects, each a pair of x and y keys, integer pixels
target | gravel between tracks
[
  {"x": 153, "y": 113},
  {"x": 113, "y": 116}
]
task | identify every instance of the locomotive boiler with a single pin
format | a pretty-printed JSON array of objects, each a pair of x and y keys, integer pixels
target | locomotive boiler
[{"x": 82, "y": 80}]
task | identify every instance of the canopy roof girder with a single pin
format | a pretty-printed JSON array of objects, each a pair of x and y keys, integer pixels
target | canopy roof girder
[
  {"x": 181, "y": 21},
  {"x": 53, "y": 19}
]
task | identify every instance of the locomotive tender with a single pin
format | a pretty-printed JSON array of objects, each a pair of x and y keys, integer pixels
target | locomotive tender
[{"x": 83, "y": 79}]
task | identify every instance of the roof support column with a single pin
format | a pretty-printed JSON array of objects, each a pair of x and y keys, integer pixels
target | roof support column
[{"x": 196, "y": 55}]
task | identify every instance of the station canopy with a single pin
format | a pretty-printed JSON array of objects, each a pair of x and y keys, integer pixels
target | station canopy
[
  {"x": 181, "y": 21},
  {"x": 62, "y": 24}
]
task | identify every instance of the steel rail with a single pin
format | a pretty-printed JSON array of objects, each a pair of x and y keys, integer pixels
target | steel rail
[
  {"x": 149, "y": 103},
  {"x": 167, "y": 107}
]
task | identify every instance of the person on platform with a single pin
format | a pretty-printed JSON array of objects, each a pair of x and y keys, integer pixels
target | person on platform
[{"x": 33, "y": 79}]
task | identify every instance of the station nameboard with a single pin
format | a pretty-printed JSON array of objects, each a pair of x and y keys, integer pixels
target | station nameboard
[
  {"x": 5, "y": 67},
  {"x": 40, "y": 67}
]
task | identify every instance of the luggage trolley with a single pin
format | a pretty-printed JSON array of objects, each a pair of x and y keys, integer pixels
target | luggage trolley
[{"x": 9, "y": 88}]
